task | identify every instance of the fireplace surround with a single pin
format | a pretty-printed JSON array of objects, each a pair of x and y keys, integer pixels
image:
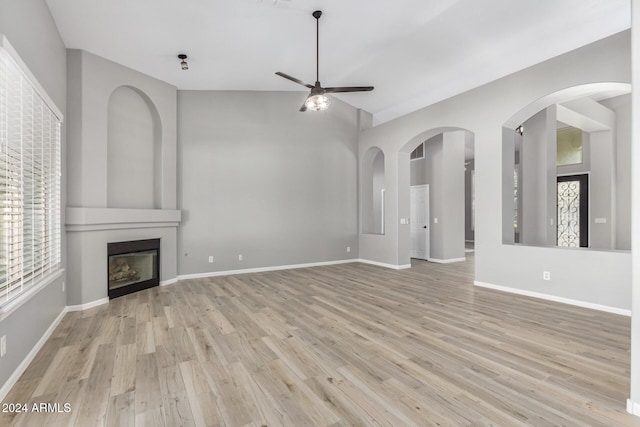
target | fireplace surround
[{"x": 133, "y": 266}]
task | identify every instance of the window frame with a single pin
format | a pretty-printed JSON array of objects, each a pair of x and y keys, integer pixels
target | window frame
[
  {"x": 51, "y": 213},
  {"x": 415, "y": 150}
]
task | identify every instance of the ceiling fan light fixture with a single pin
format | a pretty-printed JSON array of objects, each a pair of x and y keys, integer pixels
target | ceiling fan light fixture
[
  {"x": 183, "y": 62},
  {"x": 317, "y": 102}
]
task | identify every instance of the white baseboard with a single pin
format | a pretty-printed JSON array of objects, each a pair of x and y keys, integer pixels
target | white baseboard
[
  {"x": 169, "y": 282},
  {"x": 262, "y": 269},
  {"x": 554, "y": 298},
  {"x": 13, "y": 379},
  {"x": 87, "y": 305},
  {"x": 633, "y": 407},
  {"x": 446, "y": 261},
  {"x": 383, "y": 264}
]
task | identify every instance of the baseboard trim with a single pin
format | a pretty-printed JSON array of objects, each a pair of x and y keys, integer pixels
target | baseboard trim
[
  {"x": 87, "y": 305},
  {"x": 633, "y": 407},
  {"x": 599, "y": 307},
  {"x": 13, "y": 379},
  {"x": 169, "y": 282},
  {"x": 446, "y": 261},
  {"x": 262, "y": 269},
  {"x": 385, "y": 265}
]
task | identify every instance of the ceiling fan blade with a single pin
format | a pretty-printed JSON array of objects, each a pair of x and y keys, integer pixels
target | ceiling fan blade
[
  {"x": 348, "y": 89},
  {"x": 293, "y": 79}
]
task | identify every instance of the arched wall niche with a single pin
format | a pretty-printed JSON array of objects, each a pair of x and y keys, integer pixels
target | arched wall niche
[
  {"x": 584, "y": 203},
  {"x": 373, "y": 200},
  {"x": 448, "y": 146},
  {"x": 134, "y": 151}
]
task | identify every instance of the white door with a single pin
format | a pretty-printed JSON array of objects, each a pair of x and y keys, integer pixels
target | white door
[{"x": 419, "y": 222}]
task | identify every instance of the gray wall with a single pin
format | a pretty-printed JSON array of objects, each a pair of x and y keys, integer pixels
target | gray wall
[
  {"x": 133, "y": 151},
  {"x": 378, "y": 186},
  {"x": 622, "y": 107},
  {"x": 41, "y": 48},
  {"x": 258, "y": 178},
  {"x": 537, "y": 188},
  {"x": 452, "y": 220},
  {"x": 92, "y": 82},
  {"x": 432, "y": 173},
  {"x": 596, "y": 277}
]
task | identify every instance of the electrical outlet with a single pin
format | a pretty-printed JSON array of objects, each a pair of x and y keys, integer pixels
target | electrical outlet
[
  {"x": 210, "y": 258},
  {"x": 348, "y": 249},
  {"x": 546, "y": 275},
  {"x": 435, "y": 220},
  {"x": 240, "y": 257},
  {"x": 3, "y": 345},
  {"x": 63, "y": 286}
]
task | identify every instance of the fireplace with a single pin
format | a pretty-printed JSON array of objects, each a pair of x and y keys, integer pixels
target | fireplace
[{"x": 133, "y": 266}]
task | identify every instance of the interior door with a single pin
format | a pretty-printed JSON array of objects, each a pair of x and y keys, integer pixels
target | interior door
[{"x": 419, "y": 222}]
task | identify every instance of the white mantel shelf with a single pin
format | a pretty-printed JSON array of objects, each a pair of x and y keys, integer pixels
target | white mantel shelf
[{"x": 95, "y": 219}]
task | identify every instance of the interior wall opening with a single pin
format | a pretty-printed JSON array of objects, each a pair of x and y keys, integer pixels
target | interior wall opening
[
  {"x": 441, "y": 195},
  {"x": 567, "y": 171}
]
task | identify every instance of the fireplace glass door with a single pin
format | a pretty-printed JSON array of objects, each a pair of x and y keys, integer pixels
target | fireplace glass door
[{"x": 133, "y": 266}]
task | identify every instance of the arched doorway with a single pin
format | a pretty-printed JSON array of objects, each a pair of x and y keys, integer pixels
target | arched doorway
[{"x": 442, "y": 160}]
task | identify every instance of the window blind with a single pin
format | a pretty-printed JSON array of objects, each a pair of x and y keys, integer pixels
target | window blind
[{"x": 30, "y": 169}]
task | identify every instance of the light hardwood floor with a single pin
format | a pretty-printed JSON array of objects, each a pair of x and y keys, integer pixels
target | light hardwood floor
[{"x": 351, "y": 344}]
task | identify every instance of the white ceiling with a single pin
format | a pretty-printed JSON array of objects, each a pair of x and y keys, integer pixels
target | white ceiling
[{"x": 415, "y": 52}]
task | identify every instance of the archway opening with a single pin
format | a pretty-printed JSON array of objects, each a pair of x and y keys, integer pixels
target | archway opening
[
  {"x": 437, "y": 190},
  {"x": 566, "y": 169}
]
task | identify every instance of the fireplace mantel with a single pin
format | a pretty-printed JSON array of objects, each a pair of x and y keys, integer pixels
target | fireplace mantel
[{"x": 95, "y": 219}]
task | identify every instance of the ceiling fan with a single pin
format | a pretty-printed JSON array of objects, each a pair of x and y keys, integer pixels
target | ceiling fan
[{"x": 317, "y": 99}]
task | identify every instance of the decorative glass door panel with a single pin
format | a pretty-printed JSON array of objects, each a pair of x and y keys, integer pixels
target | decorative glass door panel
[{"x": 572, "y": 207}]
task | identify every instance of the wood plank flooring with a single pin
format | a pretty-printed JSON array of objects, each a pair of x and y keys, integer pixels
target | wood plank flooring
[{"x": 341, "y": 345}]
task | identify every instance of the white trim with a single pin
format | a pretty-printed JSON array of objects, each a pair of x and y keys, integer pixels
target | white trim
[
  {"x": 87, "y": 305},
  {"x": 169, "y": 282},
  {"x": 584, "y": 304},
  {"x": 10, "y": 306},
  {"x": 633, "y": 407},
  {"x": 13, "y": 379},
  {"x": 262, "y": 269},
  {"x": 385, "y": 265},
  {"x": 446, "y": 261}
]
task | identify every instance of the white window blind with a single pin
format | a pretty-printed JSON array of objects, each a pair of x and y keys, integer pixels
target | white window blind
[{"x": 30, "y": 244}]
